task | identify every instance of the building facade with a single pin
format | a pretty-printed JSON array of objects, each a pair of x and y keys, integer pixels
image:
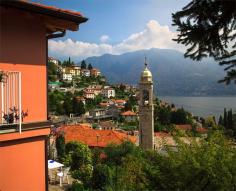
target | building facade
[
  {"x": 24, "y": 126},
  {"x": 129, "y": 116},
  {"x": 85, "y": 72},
  {"x": 108, "y": 92},
  {"x": 53, "y": 60},
  {"x": 146, "y": 109},
  {"x": 67, "y": 76}
]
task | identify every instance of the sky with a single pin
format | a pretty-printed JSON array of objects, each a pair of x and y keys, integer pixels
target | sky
[{"x": 116, "y": 27}]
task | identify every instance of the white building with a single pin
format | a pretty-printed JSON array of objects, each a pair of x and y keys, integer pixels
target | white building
[
  {"x": 67, "y": 76},
  {"x": 89, "y": 95},
  {"x": 85, "y": 72},
  {"x": 108, "y": 92},
  {"x": 53, "y": 60}
]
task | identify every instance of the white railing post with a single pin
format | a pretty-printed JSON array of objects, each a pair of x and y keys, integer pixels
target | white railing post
[{"x": 20, "y": 109}]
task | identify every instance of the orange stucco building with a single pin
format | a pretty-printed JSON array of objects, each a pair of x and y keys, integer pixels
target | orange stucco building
[{"x": 24, "y": 33}]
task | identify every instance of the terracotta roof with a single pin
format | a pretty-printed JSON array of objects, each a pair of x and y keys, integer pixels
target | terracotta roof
[
  {"x": 161, "y": 134},
  {"x": 93, "y": 137},
  {"x": 104, "y": 104},
  {"x": 55, "y": 8},
  {"x": 41, "y": 9},
  {"x": 119, "y": 101},
  {"x": 128, "y": 113},
  {"x": 201, "y": 130},
  {"x": 184, "y": 127}
]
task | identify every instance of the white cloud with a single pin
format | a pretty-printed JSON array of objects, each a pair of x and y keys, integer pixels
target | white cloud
[
  {"x": 153, "y": 36},
  {"x": 104, "y": 38}
]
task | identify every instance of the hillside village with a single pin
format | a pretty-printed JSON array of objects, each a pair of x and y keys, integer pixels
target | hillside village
[
  {"x": 82, "y": 98},
  {"x": 104, "y": 116}
]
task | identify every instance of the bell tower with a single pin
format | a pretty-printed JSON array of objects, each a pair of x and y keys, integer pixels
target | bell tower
[{"x": 146, "y": 122}]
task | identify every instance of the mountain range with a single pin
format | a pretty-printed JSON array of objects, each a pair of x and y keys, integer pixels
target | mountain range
[{"x": 173, "y": 75}]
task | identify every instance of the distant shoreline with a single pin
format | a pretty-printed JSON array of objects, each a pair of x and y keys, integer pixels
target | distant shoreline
[
  {"x": 196, "y": 96},
  {"x": 202, "y": 106}
]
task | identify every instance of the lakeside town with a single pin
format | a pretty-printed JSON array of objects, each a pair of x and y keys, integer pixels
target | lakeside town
[
  {"x": 94, "y": 101},
  {"x": 65, "y": 127},
  {"x": 99, "y": 114}
]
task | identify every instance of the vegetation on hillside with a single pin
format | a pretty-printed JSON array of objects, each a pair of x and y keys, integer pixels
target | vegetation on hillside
[
  {"x": 208, "y": 164},
  {"x": 61, "y": 103},
  {"x": 165, "y": 116},
  {"x": 228, "y": 123}
]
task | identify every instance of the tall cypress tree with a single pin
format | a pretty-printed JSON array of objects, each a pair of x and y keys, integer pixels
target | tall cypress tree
[
  {"x": 90, "y": 67},
  {"x": 78, "y": 107},
  {"x": 221, "y": 122},
  {"x": 225, "y": 119},
  {"x": 83, "y": 64},
  {"x": 230, "y": 119}
]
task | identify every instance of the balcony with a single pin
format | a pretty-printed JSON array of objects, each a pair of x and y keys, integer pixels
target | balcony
[
  {"x": 12, "y": 113},
  {"x": 10, "y": 101}
]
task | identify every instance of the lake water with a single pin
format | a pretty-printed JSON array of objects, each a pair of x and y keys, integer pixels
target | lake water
[{"x": 203, "y": 106}]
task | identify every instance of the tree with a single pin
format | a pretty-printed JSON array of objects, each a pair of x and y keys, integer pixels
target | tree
[
  {"x": 133, "y": 100},
  {"x": 102, "y": 177},
  {"x": 78, "y": 107},
  {"x": 128, "y": 106},
  {"x": 115, "y": 159},
  {"x": 230, "y": 119},
  {"x": 60, "y": 146},
  {"x": 90, "y": 67},
  {"x": 122, "y": 87},
  {"x": 80, "y": 158},
  {"x": 132, "y": 175},
  {"x": 210, "y": 122},
  {"x": 225, "y": 118},
  {"x": 179, "y": 117},
  {"x": 221, "y": 121},
  {"x": 162, "y": 114},
  {"x": 55, "y": 99},
  {"x": 208, "y": 27},
  {"x": 68, "y": 106},
  {"x": 52, "y": 71},
  {"x": 69, "y": 60},
  {"x": 68, "y": 63},
  {"x": 98, "y": 99},
  {"x": 83, "y": 64},
  {"x": 204, "y": 165}
]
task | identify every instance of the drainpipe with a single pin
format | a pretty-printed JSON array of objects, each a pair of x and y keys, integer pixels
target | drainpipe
[{"x": 51, "y": 36}]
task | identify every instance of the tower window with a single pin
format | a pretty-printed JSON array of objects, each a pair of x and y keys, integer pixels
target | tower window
[{"x": 145, "y": 97}]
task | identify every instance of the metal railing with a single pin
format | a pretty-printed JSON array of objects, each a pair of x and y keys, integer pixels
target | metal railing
[{"x": 10, "y": 99}]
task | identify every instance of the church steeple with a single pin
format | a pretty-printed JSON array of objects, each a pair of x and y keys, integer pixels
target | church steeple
[
  {"x": 146, "y": 121},
  {"x": 146, "y": 75},
  {"x": 145, "y": 62}
]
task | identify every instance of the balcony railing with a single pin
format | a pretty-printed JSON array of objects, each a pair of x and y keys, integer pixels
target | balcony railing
[{"x": 10, "y": 100}]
